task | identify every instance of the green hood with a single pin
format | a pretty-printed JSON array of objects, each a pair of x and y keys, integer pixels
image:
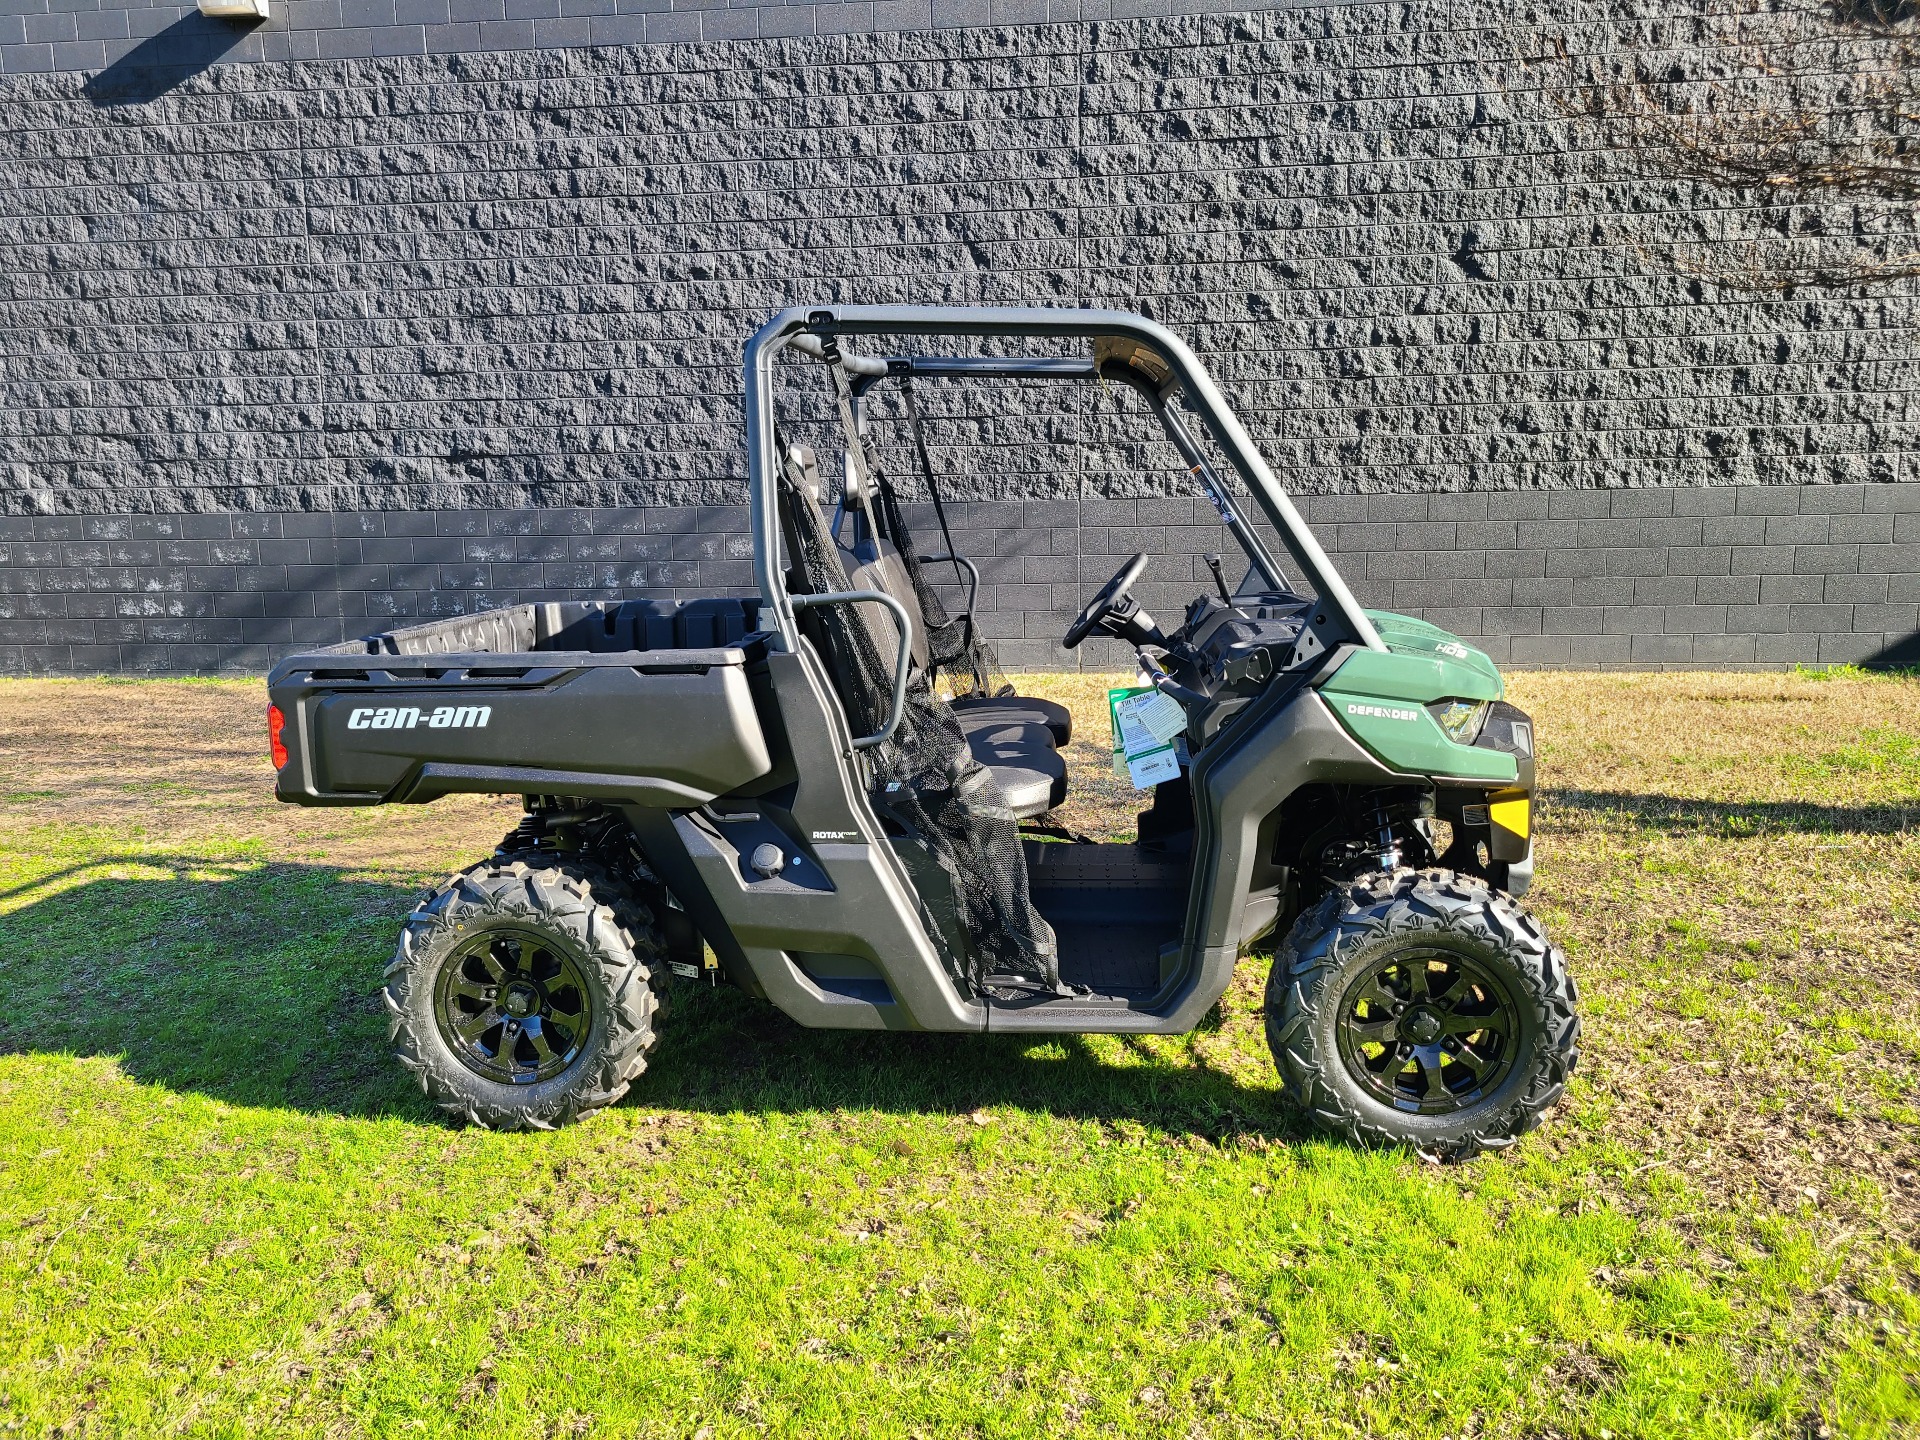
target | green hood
[
  {"x": 1407, "y": 636},
  {"x": 1381, "y": 697},
  {"x": 1422, "y": 662}
]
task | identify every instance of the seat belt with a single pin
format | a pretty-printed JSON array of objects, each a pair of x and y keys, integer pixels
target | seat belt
[
  {"x": 856, "y": 446},
  {"x": 843, "y": 393},
  {"x": 933, "y": 489}
]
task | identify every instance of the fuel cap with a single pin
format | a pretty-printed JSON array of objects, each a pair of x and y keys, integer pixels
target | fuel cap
[{"x": 768, "y": 860}]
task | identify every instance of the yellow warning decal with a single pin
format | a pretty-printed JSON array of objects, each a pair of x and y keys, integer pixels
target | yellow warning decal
[{"x": 1511, "y": 815}]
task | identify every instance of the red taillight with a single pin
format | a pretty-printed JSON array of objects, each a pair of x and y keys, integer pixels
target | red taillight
[{"x": 276, "y": 722}]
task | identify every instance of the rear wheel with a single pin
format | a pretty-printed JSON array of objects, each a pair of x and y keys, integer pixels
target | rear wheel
[
  {"x": 638, "y": 917},
  {"x": 519, "y": 998},
  {"x": 1423, "y": 1008}
]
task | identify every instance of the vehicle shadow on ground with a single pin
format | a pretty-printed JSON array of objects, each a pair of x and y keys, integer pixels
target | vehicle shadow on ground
[
  {"x": 1676, "y": 815},
  {"x": 258, "y": 986}
]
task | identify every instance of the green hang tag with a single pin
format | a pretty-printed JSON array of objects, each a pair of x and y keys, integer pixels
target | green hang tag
[{"x": 1146, "y": 727}]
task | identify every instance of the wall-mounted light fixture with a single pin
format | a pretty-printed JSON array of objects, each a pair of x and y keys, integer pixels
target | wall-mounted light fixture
[{"x": 235, "y": 9}]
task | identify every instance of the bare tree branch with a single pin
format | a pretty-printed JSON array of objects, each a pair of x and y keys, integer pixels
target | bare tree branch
[{"x": 1813, "y": 118}]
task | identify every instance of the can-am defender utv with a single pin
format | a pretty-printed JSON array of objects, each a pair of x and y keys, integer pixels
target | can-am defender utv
[{"x": 833, "y": 788}]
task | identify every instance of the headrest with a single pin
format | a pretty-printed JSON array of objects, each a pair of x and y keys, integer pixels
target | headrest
[
  {"x": 803, "y": 466},
  {"x": 856, "y": 493}
]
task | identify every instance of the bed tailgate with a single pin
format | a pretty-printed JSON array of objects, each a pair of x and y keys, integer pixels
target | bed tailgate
[{"x": 671, "y": 728}]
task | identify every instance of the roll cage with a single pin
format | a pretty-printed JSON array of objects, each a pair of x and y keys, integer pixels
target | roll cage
[{"x": 1124, "y": 348}]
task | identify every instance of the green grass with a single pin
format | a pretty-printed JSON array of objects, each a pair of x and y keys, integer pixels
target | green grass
[
  {"x": 223, "y": 1211},
  {"x": 1895, "y": 673}
]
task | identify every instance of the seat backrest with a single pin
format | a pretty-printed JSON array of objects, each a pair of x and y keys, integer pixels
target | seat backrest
[
  {"x": 856, "y": 643},
  {"x": 873, "y": 563},
  {"x": 876, "y": 565}
]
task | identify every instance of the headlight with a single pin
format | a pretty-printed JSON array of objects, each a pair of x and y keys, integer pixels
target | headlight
[{"x": 1461, "y": 719}]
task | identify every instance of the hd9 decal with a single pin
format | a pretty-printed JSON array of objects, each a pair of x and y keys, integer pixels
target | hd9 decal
[{"x": 410, "y": 717}]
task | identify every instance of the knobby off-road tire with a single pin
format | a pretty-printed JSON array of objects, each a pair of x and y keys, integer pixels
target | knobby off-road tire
[
  {"x": 537, "y": 945},
  {"x": 1424, "y": 1008},
  {"x": 634, "y": 914}
]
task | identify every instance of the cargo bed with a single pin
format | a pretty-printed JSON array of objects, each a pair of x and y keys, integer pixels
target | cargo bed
[{"x": 642, "y": 701}]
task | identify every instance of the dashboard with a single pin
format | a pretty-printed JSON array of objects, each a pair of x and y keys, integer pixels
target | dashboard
[{"x": 1227, "y": 654}]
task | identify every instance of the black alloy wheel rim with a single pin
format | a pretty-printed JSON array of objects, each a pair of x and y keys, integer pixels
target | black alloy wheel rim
[
  {"x": 513, "y": 1006},
  {"x": 1428, "y": 1031}
]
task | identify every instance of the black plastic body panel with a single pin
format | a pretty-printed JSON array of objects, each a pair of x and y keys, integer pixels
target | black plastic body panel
[
  {"x": 1285, "y": 740},
  {"x": 842, "y": 892},
  {"x": 402, "y": 718}
]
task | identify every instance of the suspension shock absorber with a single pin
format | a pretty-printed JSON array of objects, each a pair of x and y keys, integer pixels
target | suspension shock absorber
[{"x": 1389, "y": 852}]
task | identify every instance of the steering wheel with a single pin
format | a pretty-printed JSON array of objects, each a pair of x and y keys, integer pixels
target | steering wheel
[{"x": 1112, "y": 599}]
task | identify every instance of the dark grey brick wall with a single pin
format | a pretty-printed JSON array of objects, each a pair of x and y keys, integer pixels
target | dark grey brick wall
[
  {"x": 266, "y": 304},
  {"x": 516, "y": 278},
  {"x": 75, "y": 35},
  {"x": 1726, "y": 578}
]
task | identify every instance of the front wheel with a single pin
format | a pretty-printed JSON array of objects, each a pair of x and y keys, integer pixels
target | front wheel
[
  {"x": 1422, "y": 1008},
  {"x": 518, "y": 996}
]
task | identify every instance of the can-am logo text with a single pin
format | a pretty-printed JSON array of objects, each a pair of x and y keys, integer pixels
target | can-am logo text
[{"x": 407, "y": 717}]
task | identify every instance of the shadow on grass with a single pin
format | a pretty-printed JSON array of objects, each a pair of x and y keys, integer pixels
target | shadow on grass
[
  {"x": 259, "y": 987},
  {"x": 1733, "y": 818}
]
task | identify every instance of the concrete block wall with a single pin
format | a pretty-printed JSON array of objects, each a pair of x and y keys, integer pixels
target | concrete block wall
[
  {"x": 501, "y": 264},
  {"x": 1644, "y": 579},
  {"x": 66, "y": 35}
]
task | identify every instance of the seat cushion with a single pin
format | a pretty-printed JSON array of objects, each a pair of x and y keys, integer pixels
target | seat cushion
[
  {"x": 1031, "y": 774},
  {"x": 1017, "y": 709}
]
